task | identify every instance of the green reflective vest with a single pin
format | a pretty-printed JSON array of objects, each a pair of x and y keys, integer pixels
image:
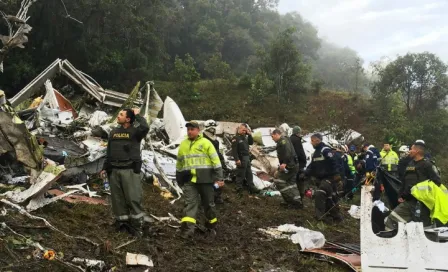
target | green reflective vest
[
  {"x": 389, "y": 159},
  {"x": 351, "y": 166},
  {"x": 434, "y": 197},
  {"x": 201, "y": 159}
]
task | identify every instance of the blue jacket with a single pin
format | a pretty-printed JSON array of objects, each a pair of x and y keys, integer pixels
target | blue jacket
[{"x": 372, "y": 159}]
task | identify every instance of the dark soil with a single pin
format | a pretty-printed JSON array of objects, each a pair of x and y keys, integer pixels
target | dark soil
[{"x": 238, "y": 245}]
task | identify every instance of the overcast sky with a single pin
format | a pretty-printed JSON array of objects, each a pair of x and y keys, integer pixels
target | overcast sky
[{"x": 377, "y": 28}]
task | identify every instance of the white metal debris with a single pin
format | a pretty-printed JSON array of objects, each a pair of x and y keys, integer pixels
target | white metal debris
[
  {"x": 409, "y": 250},
  {"x": 174, "y": 121},
  {"x": 98, "y": 118},
  {"x": 50, "y": 174}
]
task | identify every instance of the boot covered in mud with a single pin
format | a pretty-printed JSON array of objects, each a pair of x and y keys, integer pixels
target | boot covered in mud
[
  {"x": 120, "y": 226},
  {"x": 187, "y": 230},
  {"x": 289, "y": 192}
]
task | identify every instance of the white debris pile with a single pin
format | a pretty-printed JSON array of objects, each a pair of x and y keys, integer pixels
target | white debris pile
[{"x": 307, "y": 239}]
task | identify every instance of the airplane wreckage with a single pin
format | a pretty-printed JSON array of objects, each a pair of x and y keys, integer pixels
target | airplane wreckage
[{"x": 46, "y": 140}]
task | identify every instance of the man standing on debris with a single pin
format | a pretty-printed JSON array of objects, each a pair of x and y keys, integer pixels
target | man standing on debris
[
  {"x": 288, "y": 169},
  {"x": 296, "y": 140},
  {"x": 210, "y": 134},
  {"x": 197, "y": 169},
  {"x": 418, "y": 170},
  {"x": 323, "y": 167},
  {"x": 123, "y": 167},
  {"x": 240, "y": 151},
  {"x": 389, "y": 159}
]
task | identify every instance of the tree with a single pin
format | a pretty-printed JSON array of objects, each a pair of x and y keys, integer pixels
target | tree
[
  {"x": 216, "y": 68},
  {"x": 185, "y": 76},
  {"x": 420, "y": 78},
  {"x": 285, "y": 64}
]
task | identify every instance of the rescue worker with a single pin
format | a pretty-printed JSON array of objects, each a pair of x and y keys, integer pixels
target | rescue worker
[
  {"x": 389, "y": 159},
  {"x": 418, "y": 170},
  {"x": 210, "y": 134},
  {"x": 371, "y": 159},
  {"x": 405, "y": 159},
  {"x": 352, "y": 153},
  {"x": 350, "y": 172},
  {"x": 123, "y": 167},
  {"x": 323, "y": 167},
  {"x": 296, "y": 140},
  {"x": 340, "y": 163},
  {"x": 197, "y": 169},
  {"x": 288, "y": 169},
  {"x": 240, "y": 151}
]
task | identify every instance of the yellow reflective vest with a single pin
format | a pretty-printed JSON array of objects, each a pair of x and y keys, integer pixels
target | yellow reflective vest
[
  {"x": 201, "y": 159},
  {"x": 389, "y": 159},
  {"x": 351, "y": 166},
  {"x": 434, "y": 197}
]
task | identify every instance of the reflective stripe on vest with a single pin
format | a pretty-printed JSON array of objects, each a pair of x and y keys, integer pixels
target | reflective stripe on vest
[{"x": 199, "y": 154}]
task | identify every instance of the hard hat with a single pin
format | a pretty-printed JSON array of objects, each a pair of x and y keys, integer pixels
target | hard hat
[
  {"x": 344, "y": 148},
  {"x": 420, "y": 142},
  {"x": 404, "y": 149},
  {"x": 210, "y": 123},
  {"x": 333, "y": 143}
]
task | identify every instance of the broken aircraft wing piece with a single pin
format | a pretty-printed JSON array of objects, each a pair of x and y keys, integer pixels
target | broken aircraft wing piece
[{"x": 174, "y": 121}]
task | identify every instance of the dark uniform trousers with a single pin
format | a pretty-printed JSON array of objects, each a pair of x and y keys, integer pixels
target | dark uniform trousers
[
  {"x": 405, "y": 212},
  {"x": 192, "y": 191},
  {"x": 326, "y": 198},
  {"x": 300, "y": 181},
  {"x": 286, "y": 184},
  {"x": 244, "y": 172},
  {"x": 126, "y": 196}
]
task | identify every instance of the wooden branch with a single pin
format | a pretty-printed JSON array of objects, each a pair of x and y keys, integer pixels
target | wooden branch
[{"x": 27, "y": 214}]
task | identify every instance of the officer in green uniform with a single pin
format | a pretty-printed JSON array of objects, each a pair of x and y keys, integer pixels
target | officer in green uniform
[
  {"x": 123, "y": 167},
  {"x": 198, "y": 168},
  {"x": 418, "y": 169},
  {"x": 240, "y": 151},
  {"x": 288, "y": 169}
]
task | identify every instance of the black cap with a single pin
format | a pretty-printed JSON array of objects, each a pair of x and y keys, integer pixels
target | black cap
[{"x": 193, "y": 124}]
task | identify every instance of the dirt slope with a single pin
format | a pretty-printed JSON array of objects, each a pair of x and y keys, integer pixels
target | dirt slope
[{"x": 238, "y": 246}]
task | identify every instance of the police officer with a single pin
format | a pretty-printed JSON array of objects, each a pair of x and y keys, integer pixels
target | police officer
[
  {"x": 123, "y": 167},
  {"x": 418, "y": 170},
  {"x": 198, "y": 168},
  {"x": 240, "y": 151},
  {"x": 323, "y": 167},
  {"x": 389, "y": 159},
  {"x": 288, "y": 169},
  {"x": 210, "y": 134},
  {"x": 296, "y": 140}
]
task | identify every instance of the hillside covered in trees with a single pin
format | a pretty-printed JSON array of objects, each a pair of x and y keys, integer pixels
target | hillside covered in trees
[{"x": 121, "y": 41}]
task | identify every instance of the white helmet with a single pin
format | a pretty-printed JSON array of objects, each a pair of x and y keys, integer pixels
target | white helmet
[
  {"x": 404, "y": 149},
  {"x": 420, "y": 142},
  {"x": 333, "y": 143},
  {"x": 210, "y": 123},
  {"x": 344, "y": 148}
]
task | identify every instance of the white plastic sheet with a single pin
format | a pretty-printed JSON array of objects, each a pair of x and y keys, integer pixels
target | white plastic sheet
[
  {"x": 308, "y": 239},
  {"x": 355, "y": 211}
]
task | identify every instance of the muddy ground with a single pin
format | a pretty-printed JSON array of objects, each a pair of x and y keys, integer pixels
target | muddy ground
[{"x": 237, "y": 247}]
